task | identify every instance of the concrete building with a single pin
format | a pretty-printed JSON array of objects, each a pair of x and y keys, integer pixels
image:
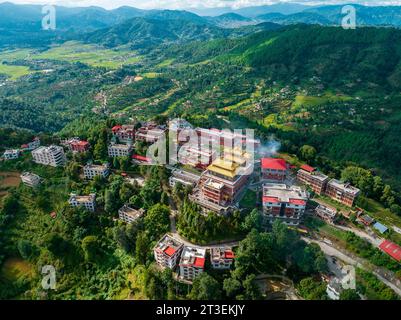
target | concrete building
[
  {"x": 192, "y": 263},
  {"x": 167, "y": 252},
  {"x": 285, "y": 203},
  {"x": 119, "y": 150},
  {"x": 130, "y": 215},
  {"x": 11, "y": 154},
  {"x": 334, "y": 289},
  {"x": 92, "y": 170},
  {"x": 30, "y": 179},
  {"x": 221, "y": 258},
  {"x": 184, "y": 177},
  {"x": 34, "y": 144},
  {"x": 342, "y": 192},
  {"x": 273, "y": 169},
  {"x": 51, "y": 156},
  {"x": 325, "y": 213},
  {"x": 316, "y": 180},
  {"x": 88, "y": 202},
  {"x": 150, "y": 133}
]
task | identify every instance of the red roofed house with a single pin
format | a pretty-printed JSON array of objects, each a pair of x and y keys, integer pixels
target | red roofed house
[
  {"x": 285, "y": 203},
  {"x": 221, "y": 258},
  {"x": 313, "y": 178},
  {"x": 391, "y": 249},
  {"x": 274, "y": 169},
  {"x": 79, "y": 146},
  {"x": 167, "y": 252},
  {"x": 125, "y": 134},
  {"x": 141, "y": 159},
  {"x": 192, "y": 263}
]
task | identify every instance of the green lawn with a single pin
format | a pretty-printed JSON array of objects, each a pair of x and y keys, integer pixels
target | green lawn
[
  {"x": 249, "y": 200},
  {"x": 89, "y": 54},
  {"x": 14, "y": 72},
  {"x": 312, "y": 101}
]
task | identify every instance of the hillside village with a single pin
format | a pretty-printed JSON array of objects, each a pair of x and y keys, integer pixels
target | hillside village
[{"x": 221, "y": 180}]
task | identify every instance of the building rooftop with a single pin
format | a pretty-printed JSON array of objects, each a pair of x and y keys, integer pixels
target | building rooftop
[
  {"x": 218, "y": 254},
  {"x": 168, "y": 245},
  {"x": 97, "y": 166},
  {"x": 278, "y": 193},
  {"x": 274, "y": 164},
  {"x": 391, "y": 249},
  {"x": 308, "y": 168},
  {"x": 346, "y": 187},
  {"x": 83, "y": 199},
  {"x": 380, "y": 227},
  {"x": 193, "y": 256},
  {"x": 224, "y": 167},
  {"x": 131, "y": 212}
]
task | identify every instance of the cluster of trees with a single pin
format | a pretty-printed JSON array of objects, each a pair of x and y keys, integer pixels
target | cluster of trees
[
  {"x": 271, "y": 253},
  {"x": 372, "y": 186},
  {"x": 200, "y": 228},
  {"x": 365, "y": 249},
  {"x": 373, "y": 288}
]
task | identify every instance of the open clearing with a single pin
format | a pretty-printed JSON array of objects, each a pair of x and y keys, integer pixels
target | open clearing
[{"x": 15, "y": 268}]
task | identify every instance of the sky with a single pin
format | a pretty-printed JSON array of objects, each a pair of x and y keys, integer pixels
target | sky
[{"x": 185, "y": 4}]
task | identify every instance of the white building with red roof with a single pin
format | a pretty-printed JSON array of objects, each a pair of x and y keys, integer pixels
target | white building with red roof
[
  {"x": 221, "y": 258},
  {"x": 274, "y": 169},
  {"x": 287, "y": 203},
  {"x": 192, "y": 263},
  {"x": 167, "y": 252}
]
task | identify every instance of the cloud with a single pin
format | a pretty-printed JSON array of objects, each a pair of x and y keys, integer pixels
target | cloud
[{"x": 181, "y": 4}]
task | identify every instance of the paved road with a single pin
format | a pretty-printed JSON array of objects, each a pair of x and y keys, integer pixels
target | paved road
[
  {"x": 330, "y": 251},
  {"x": 376, "y": 241}
]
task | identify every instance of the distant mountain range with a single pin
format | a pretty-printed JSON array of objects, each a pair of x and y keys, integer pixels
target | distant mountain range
[{"x": 22, "y": 23}]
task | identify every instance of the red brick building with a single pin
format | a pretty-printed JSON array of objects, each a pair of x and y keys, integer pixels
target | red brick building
[
  {"x": 316, "y": 180},
  {"x": 274, "y": 169}
]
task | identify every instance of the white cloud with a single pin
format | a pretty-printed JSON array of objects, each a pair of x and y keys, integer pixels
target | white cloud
[{"x": 180, "y": 4}]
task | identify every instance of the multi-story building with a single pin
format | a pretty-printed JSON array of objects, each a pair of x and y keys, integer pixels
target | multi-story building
[
  {"x": 51, "y": 156},
  {"x": 325, "y": 213},
  {"x": 342, "y": 192},
  {"x": 167, "y": 252},
  {"x": 30, "y": 179},
  {"x": 76, "y": 145},
  {"x": 274, "y": 169},
  {"x": 221, "y": 258},
  {"x": 196, "y": 156},
  {"x": 150, "y": 133},
  {"x": 316, "y": 180},
  {"x": 184, "y": 177},
  {"x": 88, "y": 202},
  {"x": 119, "y": 150},
  {"x": 93, "y": 170},
  {"x": 192, "y": 263},
  {"x": 226, "y": 138},
  {"x": 285, "y": 203},
  {"x": 11, "y": 154},
  {"x": 221, "y": 185},
  {"x": 182, "y": 130},
  {"x": 125, "y": 133},
  {"x": 35, "y": 143},
  {"x": 130, "y": 215}
]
